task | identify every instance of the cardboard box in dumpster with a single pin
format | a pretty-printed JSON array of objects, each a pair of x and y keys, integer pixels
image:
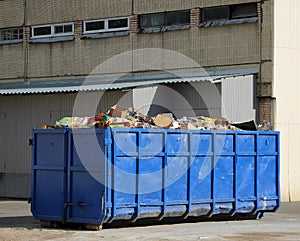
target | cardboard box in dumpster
[{"x": 118, "y": 111}]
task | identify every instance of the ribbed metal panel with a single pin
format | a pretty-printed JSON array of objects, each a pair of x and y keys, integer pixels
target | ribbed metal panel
[
  {"x": 20, "y": 113},
  {"x": 143, "y": 98},
  {"x": 124, "y": 83},
  {"x": 238, "y": 98}
]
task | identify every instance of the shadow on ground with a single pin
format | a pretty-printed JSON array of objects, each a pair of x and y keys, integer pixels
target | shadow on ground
[{"x": 19, "y": 222}]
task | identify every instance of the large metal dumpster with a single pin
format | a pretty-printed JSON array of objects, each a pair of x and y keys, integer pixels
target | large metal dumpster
[{"x": 96, "y": 176}]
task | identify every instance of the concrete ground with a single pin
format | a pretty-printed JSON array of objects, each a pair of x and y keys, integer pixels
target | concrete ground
[{"x": 16, "y": 223}]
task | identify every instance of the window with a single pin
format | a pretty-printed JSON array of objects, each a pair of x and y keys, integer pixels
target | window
[
  {"x": 165, "y": 19},
  {"x": 11, "y": 34},
  {"x": 153, "y": 20},
  {"x": 177, "y": 18},
  {"x": 53, "y": 30},
  {"x": 94, "y": 26},
  {"x": 106, "y": 25},
  {"x": 218, "y": 13},
  {"x": 229, "y": 12},
  {"x": 244, "y": 11}
]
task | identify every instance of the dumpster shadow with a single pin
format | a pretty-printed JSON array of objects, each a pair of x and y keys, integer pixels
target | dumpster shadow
[{"x": 27, "y": 222}]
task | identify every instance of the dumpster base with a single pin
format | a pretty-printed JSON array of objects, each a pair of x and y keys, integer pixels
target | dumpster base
[
  {"x": 152, "y": 221},
  {"x": 79, "y": 226}
]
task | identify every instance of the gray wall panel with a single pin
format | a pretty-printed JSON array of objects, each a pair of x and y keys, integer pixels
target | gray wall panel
[{"x": 238, "y": 99}]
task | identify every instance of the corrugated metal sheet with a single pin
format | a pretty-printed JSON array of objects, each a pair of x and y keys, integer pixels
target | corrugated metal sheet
[
  {"x": 93, "y": 84},
  {"x": 19, "y": 114},
  {"x": 238, "y": 98}
]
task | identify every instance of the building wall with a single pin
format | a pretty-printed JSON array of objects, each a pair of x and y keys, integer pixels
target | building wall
[
  {"x": 286, "y": 91},
  {"x": 12, "y": 13},
  {"x": 12, "y": 62},
  {"x": 58, "y": 11},
  {"x": 213, "y": 48},
  {"x": 144, "y": 6}
]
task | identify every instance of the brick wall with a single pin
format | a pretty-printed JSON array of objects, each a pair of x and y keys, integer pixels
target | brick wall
[
  {"x": 26, "y": 33},
  {"x": 265, "y": 110},
  {"x": 78, "y": 28},
  {"x": 195, "y": 17},
  {"x": 134, "y": 24}
]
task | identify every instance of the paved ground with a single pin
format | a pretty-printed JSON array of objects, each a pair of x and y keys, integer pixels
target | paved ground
[{"x": 16, "y": 223}]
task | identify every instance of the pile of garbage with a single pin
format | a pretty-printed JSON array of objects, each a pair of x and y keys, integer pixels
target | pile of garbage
[{"x": 121, "y": 117}]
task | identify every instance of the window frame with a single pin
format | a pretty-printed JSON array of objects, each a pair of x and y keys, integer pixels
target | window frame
[
  {"x": 52, "y": 34},
  {"x": 12, "y": 29},
  {"x": 106, "y": 28}
]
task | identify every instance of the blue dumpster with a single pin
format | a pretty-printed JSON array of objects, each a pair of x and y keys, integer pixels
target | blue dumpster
[{"x": 97, "y": 176}]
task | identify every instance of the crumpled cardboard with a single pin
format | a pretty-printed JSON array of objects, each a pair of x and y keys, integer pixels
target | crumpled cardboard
[
  {"x": 118, "y": 111},
  {"x": 163, "y": 121}
]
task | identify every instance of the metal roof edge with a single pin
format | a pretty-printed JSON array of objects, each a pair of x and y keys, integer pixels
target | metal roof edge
[{"x": 93, "y": 83}]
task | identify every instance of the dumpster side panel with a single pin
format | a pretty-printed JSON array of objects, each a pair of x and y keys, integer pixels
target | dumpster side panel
[
  {"x": 48, "y": 174},
  {"x": 268, "y": 169},
  {"x": 177, "y": 173}
]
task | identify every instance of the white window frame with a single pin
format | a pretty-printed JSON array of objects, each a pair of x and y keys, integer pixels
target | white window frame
[
  {"x": 52, "y": 30},
  {"x": 106, "y": 29}
]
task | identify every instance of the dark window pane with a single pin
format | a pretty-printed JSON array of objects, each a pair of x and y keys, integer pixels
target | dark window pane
[
  {"x": 40, "y": 31},
  {"x": 211, "y": 14},
  {"x": 92, "y": 26},
  {"x": 15, "y": 34},
  {"x": 11, "y": 34},
  {"x": 118, "y": 23},
  {"x": 59, "y": 29},
  {"x": 7, "y": 34},
  {"x": 152, "y": 20},
  {"x": 68, "y": 28},
  {"x": 178, "y": 18},
  {"x": 63, "y": 29},
  {"x": 244, "y": 11}
]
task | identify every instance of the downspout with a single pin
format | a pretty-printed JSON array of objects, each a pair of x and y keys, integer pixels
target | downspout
[{"x": 260, "y": 21}]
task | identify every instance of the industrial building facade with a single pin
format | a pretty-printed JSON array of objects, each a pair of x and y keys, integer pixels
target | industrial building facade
[{"x": 49, "y": 48}]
